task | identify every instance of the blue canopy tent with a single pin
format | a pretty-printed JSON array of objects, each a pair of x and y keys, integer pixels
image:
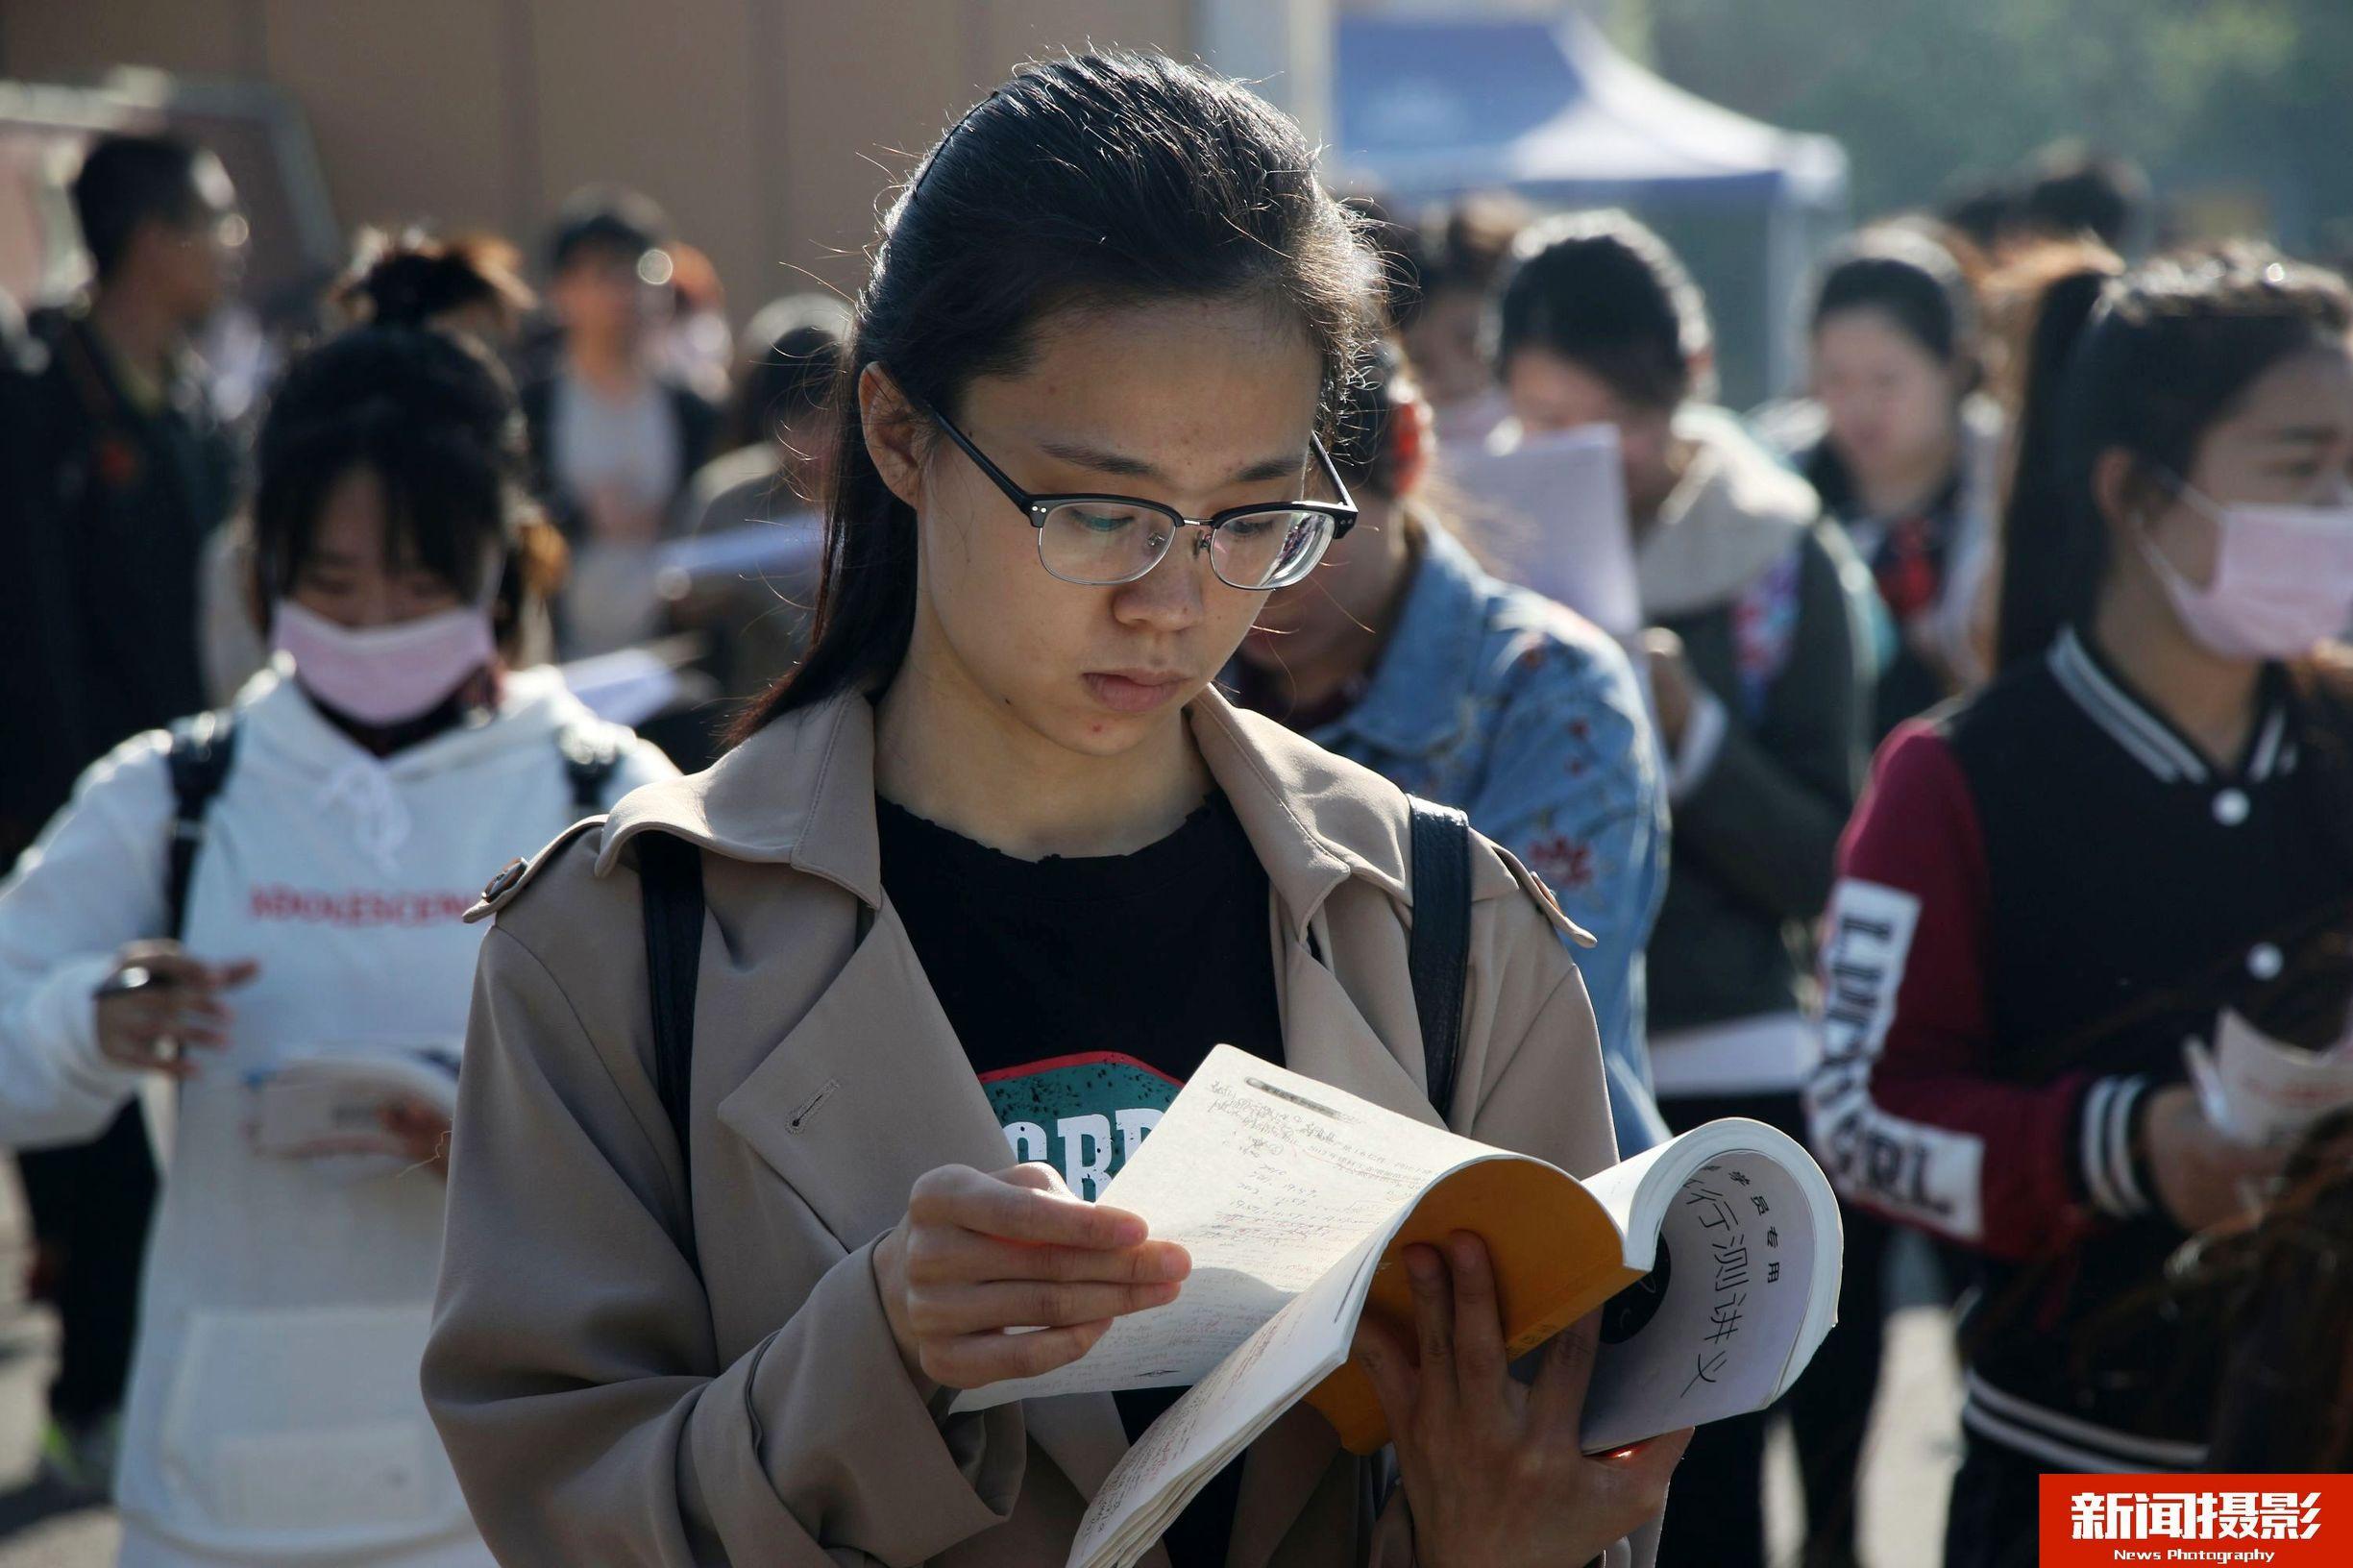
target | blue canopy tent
[{"x": 1428, "y": 109}]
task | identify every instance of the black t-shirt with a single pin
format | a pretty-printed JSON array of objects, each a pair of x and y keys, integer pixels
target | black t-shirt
[{"x": 1085, "y": 993}]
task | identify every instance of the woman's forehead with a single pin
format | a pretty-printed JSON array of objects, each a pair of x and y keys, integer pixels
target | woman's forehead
[
  {"x": 2306, "y": 398},
  {"x": 1191, "y": 384},
  {"x": 1868, "y": 330}
]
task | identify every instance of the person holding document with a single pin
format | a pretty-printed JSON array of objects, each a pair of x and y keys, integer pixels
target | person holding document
[
  {"x": 2134, "y": 848},
  {"x": 1403, "y": 654},
  {"x": 251, "y": 921},
  {"x": 1762, "y": 694},
  {"x": 978, "y": 887}
]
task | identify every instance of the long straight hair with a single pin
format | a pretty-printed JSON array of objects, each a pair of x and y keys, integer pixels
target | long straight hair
[{"x": 1087, "y": 182}]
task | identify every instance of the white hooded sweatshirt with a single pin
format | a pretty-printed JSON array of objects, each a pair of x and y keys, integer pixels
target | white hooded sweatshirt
[{"x": 274, "y": 1416}]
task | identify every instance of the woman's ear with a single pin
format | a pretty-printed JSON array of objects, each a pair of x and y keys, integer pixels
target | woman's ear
[
  {"x": 2119, "y": 489},
  {"x": 1702, "y": 367},
  {"x": 889, "y": 425},
  {"x": 246, "y": 570},
  {"x": 1413, "y": 437},
  {"x": 1967, "y": 375}
]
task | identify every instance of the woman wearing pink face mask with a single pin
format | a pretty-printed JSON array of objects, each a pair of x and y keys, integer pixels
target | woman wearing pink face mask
[
  {"x": 2139, "y": 835},
  {"x": 273, "y": 895}
]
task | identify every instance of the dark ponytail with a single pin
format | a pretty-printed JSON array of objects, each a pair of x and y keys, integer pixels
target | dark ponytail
[
  {"x": 2050, "y": 566},
  {"x": 2146, "y": 363},
  {"x": 1097, "y": 180}
]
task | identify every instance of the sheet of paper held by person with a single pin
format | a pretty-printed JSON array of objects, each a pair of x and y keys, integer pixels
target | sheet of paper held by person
[
  {"x": 2264, "y": 1091},
  {"x": 1549, "y": 513}
]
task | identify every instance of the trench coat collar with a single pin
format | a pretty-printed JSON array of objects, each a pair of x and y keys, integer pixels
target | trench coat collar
[{"x": 800, "y": 791}]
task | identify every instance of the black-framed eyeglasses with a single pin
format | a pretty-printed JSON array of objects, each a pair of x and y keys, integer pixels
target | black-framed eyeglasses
[{"x": 1101, "y": 540}]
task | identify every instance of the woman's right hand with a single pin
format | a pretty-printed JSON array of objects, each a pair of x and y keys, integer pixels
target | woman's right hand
[
  {"x": 158, "y": 1000},
  {"x": 1494, "y": 1473},
  {"x": 2199, "y": 1168},
  {"x": 979, "y": 1254}
]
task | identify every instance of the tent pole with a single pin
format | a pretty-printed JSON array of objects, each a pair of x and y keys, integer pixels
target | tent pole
[{"x": 1784, "y": 239}]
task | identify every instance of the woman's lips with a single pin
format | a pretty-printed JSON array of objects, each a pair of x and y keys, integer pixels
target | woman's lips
[{"x": 1133, "y": 691}]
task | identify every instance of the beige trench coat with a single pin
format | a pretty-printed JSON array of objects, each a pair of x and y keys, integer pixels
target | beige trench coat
[{"x": 603, "y": 1405}]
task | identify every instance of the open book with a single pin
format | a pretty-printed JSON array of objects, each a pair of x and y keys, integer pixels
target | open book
[{"x": 1717, "y": 1254}]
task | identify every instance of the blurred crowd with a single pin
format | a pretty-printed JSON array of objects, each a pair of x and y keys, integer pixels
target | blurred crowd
[{"x": 2057, "y": 527}]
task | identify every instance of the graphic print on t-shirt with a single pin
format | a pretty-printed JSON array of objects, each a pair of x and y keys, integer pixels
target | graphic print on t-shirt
[{"x": 1086, "y": 1115}]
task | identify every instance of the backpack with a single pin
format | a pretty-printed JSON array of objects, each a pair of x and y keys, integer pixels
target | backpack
[
  {"x": 198, "y": 752},
  {"x": 669, "y": 887}
]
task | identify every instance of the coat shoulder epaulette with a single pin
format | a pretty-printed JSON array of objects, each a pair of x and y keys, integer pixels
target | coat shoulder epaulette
[
  {"x": 517, "y": 874},
  {"x": 1534, "y": 886}
]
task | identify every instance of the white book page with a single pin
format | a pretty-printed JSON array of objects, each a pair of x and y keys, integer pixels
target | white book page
[
  {"x": 1222, "y": 1413},
  {"x": 1725, "y": 1319},
  {"x": 1268, "y": 1179}
]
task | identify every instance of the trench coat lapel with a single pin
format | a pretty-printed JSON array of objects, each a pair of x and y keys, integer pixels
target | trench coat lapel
[
  {"x": 830, "y": 1109},
  {"x": 866, "y": 1092}
]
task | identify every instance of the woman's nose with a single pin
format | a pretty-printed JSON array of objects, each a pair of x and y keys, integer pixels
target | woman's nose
[
  {"x": 1168, "y": 596},
  {"x": 374, "y": 608}
]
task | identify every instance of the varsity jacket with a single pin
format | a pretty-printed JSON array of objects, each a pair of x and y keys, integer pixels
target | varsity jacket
[{"x": 2047, "y": 891}]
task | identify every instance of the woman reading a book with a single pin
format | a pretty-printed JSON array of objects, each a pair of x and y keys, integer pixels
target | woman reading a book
[
  {"x": 2137, "y": 836},
  {"x": 258, "y": 916},
  {"x": 980, "y": 885}
]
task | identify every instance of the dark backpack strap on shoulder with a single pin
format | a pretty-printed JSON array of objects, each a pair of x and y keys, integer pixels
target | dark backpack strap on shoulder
[
  {"x": 592, "y": 753},
  {"x": 1439, "y": 949},
  {"x": 197, "y": 753},
  {"x": 669, "y": 883}
]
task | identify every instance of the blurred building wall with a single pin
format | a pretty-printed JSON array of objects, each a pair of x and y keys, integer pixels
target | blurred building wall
[{"x": 767, "y": 128}]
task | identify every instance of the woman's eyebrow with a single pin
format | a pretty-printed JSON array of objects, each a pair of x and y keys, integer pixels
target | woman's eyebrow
[
  {"x": 2304, "y": 435},
  {"x": 1078, "y": 454}
]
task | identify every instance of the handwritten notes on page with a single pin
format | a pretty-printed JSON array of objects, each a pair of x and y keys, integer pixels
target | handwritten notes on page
[{"x": 1268, "y": 1179}]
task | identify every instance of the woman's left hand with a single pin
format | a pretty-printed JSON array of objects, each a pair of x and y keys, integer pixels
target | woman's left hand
[
  {"x": 423, "y": 1132},
  {"x": 1494, "y": 1476}
]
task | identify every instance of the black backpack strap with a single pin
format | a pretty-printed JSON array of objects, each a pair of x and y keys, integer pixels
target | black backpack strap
[
  {"x": 669, "y": 883},
  {"x": 591, "y": 751},
  {"x": 1438, "y": 951},
  {"x": 197, "y": 751}
]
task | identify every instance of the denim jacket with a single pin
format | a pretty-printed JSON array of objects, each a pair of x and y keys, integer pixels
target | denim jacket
[{"x": 1527, "y": 717}]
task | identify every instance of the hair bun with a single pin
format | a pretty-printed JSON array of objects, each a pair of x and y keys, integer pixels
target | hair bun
[{"x": 414, "y": 280}]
